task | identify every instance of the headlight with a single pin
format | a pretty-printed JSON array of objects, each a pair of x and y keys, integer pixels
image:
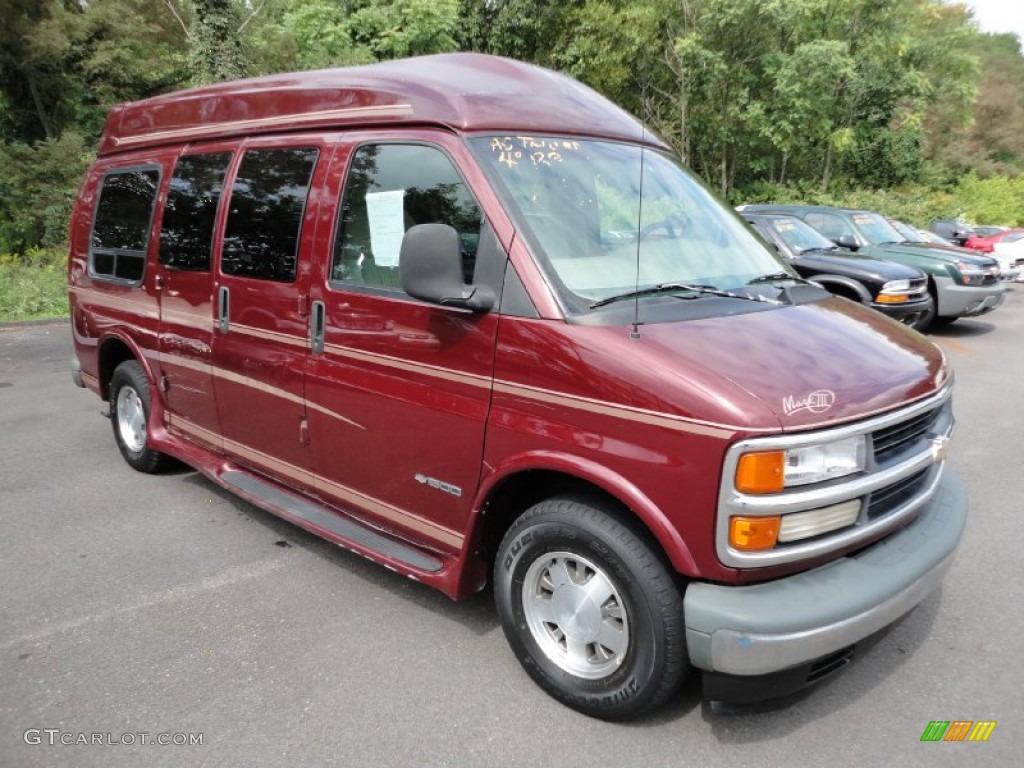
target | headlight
[
  {"x": 894, "y": 292},
  {"x": 816, "y": 463},
  {"x": 773, "y": 471},
  {"x": 971, "y": 273}
]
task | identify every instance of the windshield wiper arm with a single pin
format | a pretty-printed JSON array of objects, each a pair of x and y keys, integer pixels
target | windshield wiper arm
[
  {"x": 703, "y": 290},
  {"x": 654, "y": 290},
  {"x": 774, "y": 277}
]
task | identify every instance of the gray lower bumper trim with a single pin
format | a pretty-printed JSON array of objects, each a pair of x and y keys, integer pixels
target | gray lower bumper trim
[{"x": 768, "y": 627}]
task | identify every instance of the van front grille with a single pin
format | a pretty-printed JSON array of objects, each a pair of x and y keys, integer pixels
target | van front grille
[
  {"x": 891, "y": 440},
  {"x": 892, "y": 497}
]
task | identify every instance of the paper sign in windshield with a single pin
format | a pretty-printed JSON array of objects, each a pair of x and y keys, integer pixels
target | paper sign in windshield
[{"x": 387, "y": 225}]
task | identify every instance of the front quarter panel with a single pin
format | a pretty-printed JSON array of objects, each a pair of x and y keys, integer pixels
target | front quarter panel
[{"x": 584, "y": 401}]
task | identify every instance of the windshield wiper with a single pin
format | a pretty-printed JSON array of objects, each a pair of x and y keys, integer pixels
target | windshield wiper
[
  {"x": 703, "y": 290},
  {"x": 652, "y": 291},
  {"x": 775, "y": 277}
]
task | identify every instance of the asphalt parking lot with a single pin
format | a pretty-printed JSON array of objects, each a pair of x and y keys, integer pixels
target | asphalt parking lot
[{"x": 161, "y": 605}]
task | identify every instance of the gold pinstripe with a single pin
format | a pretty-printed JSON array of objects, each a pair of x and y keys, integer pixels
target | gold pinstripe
[
  {"x": 246, "y": 381},
  {"x": 538, "y": 394},
  {"x": 289, "y": 120},
  {"x": 260, "y": 333},
  {"x": 448, "y": 374},
  {"x": 111, "y": 301}
]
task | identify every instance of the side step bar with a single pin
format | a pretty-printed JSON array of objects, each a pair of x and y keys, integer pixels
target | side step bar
[{"x": 278, "y": 501}]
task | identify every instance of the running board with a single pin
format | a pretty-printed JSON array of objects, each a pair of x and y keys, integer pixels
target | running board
[{"x": 276, "y": 500}]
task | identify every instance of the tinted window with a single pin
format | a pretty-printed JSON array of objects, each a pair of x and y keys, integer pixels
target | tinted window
[
  {"x": 121, "y": 229},
  {"x": 187, "y": 232},
  {"x": 268, "y": 200},
  {"x": 390, "y": 188}
]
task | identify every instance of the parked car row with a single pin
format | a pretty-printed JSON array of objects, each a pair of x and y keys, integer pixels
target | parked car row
[
  {"x": 882, "y": 263},
  {"x": 1004, "y": 244}
]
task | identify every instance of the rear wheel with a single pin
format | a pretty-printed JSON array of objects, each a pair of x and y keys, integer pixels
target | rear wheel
[
  {"x": 592, "y": 613},
  {"x": 129, "y": 416}
]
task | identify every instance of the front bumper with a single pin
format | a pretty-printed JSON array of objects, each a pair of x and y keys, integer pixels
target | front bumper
[
  {"x": 967, "y": 300},
  {"x": 789, "y": 623},
  {"x": 907, "y": 313}
]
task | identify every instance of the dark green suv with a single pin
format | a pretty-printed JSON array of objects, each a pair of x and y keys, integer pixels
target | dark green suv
[{"x": 961, "y": 284}]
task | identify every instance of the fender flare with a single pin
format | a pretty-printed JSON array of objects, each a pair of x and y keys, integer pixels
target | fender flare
[
  {"x": 118, "y": 334},
  {"x": 612, "y": 483},
  {"x": 857, "y": 287}
]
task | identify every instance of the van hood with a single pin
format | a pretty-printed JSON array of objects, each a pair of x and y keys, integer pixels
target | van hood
[{"x": 812, "y": 364}]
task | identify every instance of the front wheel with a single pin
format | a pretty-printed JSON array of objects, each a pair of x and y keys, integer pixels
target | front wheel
[
  {"x": 592, "y": 613},
  {"x": 129, "y": 416}
]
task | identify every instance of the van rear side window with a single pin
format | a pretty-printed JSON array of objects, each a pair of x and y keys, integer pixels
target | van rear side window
[
  {"x": 186, "y": 236},
  {"x": 268, "y": 199},
  {"x": 120, "y": 233}
]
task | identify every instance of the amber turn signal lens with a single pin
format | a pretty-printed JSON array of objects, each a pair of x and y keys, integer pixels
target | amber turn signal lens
[
  {"x": 750, "y": 534},
  {"x": 888, "y": 298},
  {"x": 760, "y": 472}
]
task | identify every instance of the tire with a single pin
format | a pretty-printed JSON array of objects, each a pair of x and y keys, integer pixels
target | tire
[
  {"x": 129, "y": 417},
  {"x": 929, "y": 317},
  {"x": 614, "y": 657}
]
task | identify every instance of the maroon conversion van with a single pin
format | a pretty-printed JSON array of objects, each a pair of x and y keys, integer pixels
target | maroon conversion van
[{"x": 467, "y": 318}]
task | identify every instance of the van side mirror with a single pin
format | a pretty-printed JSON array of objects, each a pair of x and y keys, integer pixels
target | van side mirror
[
  {"x": 430, "y": 266},
  {"x": 846, "y": 240}
]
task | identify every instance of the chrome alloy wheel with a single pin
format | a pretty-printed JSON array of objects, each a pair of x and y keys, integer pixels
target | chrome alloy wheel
[
  {"x": 131, "y": 419},
  {"x": 576, "y": 615}
]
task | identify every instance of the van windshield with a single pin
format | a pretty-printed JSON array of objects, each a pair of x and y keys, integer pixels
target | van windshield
[
  {"x": 876, "y": 230},
  {"x": 599, "y": 234}
]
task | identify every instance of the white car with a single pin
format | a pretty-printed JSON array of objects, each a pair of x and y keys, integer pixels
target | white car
[{"x": 1009, "y": 252}]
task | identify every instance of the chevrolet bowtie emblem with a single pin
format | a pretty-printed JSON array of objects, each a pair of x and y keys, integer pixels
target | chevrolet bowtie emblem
[{"x": 940, "y": 448}]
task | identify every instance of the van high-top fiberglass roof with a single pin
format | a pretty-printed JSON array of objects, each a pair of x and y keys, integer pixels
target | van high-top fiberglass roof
[{"x": 459, "y": 91}]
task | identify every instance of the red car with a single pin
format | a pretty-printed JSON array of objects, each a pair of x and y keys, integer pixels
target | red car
[
  {"x": 986, "y": 244},
  {"x": 469, "y": 319},
  {"x": 1006, "y": 247}
]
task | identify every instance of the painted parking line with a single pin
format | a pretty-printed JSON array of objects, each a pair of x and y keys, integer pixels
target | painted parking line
[{"x": 954, "y": 346}]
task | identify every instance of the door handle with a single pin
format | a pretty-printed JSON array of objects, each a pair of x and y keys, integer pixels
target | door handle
[
  {"x": 316, "y": 328},
  {"x": 223, "y": 308}
]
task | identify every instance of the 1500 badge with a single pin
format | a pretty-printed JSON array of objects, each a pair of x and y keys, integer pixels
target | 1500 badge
[
  {"x": 440, "y": 485},
  {"x": 816, "y": 402}
]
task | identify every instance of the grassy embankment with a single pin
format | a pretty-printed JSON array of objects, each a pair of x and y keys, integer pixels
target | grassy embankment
[{"x": 33, "y": 286}]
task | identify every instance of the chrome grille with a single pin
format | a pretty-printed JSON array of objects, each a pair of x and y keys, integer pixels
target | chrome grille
[
  {"x": 892, "y": 440},
  {"x": 902, "y": 473},
  {"x": 885, "y": 500}
]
